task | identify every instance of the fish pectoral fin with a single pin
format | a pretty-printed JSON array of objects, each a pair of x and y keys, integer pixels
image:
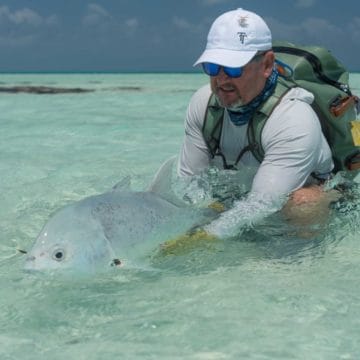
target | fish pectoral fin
[{"x": 186, "y": 242}]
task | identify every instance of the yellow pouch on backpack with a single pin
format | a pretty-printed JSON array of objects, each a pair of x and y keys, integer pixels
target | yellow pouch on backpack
[{"x": 355, "y": 132}]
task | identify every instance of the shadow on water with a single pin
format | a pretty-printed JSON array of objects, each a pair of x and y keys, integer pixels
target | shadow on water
[
  {"x": 252, "y": 245},
  {"x": 274, "y": 238}
]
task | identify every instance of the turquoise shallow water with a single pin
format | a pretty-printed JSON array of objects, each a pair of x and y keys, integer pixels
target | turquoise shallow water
[{"x": 263, "y": 299}]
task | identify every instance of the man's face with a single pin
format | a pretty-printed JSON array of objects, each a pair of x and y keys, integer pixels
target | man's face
[{"x": 233, "y": 92}]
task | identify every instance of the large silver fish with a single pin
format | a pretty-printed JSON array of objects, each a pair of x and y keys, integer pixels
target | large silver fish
[{"x": 120, "y": 227}]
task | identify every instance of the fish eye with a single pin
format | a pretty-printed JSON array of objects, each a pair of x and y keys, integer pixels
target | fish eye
[{"x": 58, "y": 254}]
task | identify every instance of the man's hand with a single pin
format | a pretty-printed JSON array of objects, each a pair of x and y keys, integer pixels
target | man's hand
[
  {"x": 309, "y": 206},
  {"x": 186, "y": 242}
]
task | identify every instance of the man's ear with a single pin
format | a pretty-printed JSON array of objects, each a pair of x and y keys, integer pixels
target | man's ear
[{"x": 269, "y": 59}]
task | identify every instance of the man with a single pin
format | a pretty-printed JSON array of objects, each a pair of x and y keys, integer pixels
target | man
[{"x": 240, "y": 63}]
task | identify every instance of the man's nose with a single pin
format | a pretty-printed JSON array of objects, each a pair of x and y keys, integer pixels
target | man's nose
[{"x": 221, "y": 77}]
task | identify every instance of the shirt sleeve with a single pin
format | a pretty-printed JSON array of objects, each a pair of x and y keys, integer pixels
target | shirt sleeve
[
  {"x": 294, "y": 147},
  {"x": 194, "y": 154}
]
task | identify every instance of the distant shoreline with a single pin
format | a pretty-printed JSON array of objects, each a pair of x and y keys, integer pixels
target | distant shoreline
[{"x": 95, "y": 72}]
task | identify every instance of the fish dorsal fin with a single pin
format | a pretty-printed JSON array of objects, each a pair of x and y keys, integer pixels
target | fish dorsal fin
[
  {"x": 162, "y": 183},
  {"x": 122, "y": 185}
]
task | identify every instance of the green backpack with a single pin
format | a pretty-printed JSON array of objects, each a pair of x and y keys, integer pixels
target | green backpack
[{"x": 316, "y": 70}]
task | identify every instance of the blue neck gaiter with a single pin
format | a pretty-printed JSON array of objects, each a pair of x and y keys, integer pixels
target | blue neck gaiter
[{"x": 244, "y": 113}]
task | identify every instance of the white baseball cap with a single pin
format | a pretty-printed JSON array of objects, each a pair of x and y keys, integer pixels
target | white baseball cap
[{"x": 234, "y": 39}]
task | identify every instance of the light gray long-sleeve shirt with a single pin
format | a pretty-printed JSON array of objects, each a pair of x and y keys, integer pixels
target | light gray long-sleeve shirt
[{"x": 294, "y": 147}]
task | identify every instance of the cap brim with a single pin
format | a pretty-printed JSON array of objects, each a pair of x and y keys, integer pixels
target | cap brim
[{"x": 230, "y": 58}]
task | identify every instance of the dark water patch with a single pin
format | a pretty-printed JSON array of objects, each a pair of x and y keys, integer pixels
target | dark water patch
[
  {"x": 177, "y": 91},
  {"x": 42, "y": 90},
  {"x": 125, "y": 88},
  {"x": 95, "y": 82}
]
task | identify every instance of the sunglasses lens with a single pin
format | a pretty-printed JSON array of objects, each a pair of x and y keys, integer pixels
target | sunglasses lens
[
  {"x": 233, "y": 72},
  {"x": 214, "y": 69},
  {"x": 210, "y": 68}
]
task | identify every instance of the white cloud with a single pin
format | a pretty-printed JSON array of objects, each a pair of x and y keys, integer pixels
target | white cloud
[
  {"x": 132, "y": 23},
  {"x": 95, "y": 15},
  {"x": 311, "y": 30},
  {"x": 354, "y": 29},
  {"x": 23, "y": 27},
  {"x": 52, "y": 20},
  {"x": 181, "y": 23},
  {"x": 24, "y": 16},
  {"x": 27, "y": 16},
  {"x": 320, "y": 27}
]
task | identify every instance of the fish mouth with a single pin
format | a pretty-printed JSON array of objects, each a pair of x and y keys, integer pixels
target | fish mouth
[
  {"x": 29, "y": 260},
  {"x": 29, "y": 263}
]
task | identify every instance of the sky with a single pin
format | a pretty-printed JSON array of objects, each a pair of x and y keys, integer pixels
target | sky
[{"x": 156, "y": 35}]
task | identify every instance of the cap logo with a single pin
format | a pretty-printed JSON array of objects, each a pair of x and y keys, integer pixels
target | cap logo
[
  {"x": 242, "y": 21},
  {"x": 242, "y": 36}
]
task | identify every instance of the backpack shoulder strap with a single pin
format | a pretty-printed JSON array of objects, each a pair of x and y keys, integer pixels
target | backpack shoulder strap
[
  {"x": 257, "y": 123},
  {"x": 212, "y": 125}
]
